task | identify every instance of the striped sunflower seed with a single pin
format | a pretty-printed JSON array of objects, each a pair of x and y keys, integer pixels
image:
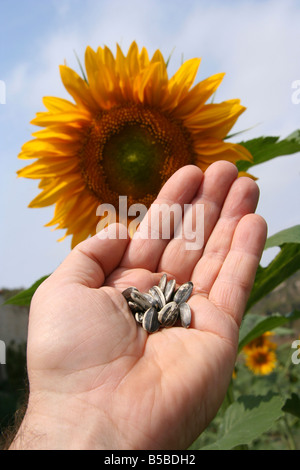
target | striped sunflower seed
[
  {"x": 139, "y": 317},
  {"x": 162, "y": 306},
  {"x": 168, "y": 315},
  {"x": 183, "y": 293},
  {"x": 150, "y": 320},
  {"x": 133, "y": 306},
  {"x": 185, "y": 314},
  {"x": 162, "y": 283},
  {"x": 158, "y": 295},
  {"x": 141, "y": 300},
  {"x": 169, "y": 290},
  {"x": 127, "y": 292},
  {"x": 152, "y": 300}
]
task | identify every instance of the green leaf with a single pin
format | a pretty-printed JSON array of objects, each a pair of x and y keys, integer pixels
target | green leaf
[
  {"x": 292, "y": 405},
  {"x": 254, "y": 326},
  {"x": 24, "y": 297},
  {"x": 286, "y": 263},
  {"x": 246, "y": 419},
  {"x": 265, "y": 148},
  {"x": 289, "y": 235}
]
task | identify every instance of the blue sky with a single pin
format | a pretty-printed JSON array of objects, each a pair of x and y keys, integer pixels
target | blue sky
[{"x": 255, "y": 42}]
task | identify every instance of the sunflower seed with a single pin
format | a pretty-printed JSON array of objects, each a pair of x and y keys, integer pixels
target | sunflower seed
[
  {"x": 127, "y": 292},
  {"x": 168, "y": 315},
  {"x": 185, "y": 314},
  {"x": 162, "y": 306},
  {"x": 157, "y": 294},
  {"x": 139, "y": 317},
  {"x": 162, "y": 283},
  {"x": 169, "y": 290},
  {"x": 150, "y": 320},
  {"x": 133, "y": 306},
  {"x": 152, "y": 300},
  {"x": 141, "y": 300},
  {"x": 183, "y": 293}
]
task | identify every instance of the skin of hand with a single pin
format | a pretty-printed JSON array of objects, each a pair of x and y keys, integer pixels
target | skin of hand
[{"x": 97, "y": 379}]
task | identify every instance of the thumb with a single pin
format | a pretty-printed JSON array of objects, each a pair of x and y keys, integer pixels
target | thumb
[{"x": 92, "y": 260}]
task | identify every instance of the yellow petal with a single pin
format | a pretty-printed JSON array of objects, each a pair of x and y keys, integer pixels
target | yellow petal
[
  {"x": 62, "y": 207},
  {"x": 157, "y": 57},
  {"x": 192, "y": 103},
  {"x": 155, "y": 89},
  {"x": 248, "y": 175},
  {"x": 215, "y": 120},
  {"x": 54, "y": 190},
  {"x": 102, "y": 80},
  {"x": 78, "y": 88},
  {"x": 211, "y": 150},
  {"x": 58, "y": 134},
  {"x": 182, "y": 80},
  {"x": 47, "y": 167},
  {"x": 47, "y": 119},
  {"x": 148, "y": 85},
  {"x": 144, "y": 58},
  {"x": 39, "y": 148},
  {"x": 108, "y": 58},
  {"x": 133, "y": 60},
  {"x": 54, "y": 104}
]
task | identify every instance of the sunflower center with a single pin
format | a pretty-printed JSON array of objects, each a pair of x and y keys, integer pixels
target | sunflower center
[
  {"x": 261, "y": 358},
  {"x": 132, "y": 150},
  {"x": 131, "y": 160}
]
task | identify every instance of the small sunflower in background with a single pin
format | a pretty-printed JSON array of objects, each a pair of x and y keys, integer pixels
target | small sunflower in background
[
  {"x": 263, "y": 340},
  {"x": 260, "y": 354},
  {"x": 128, "y": 130},
  {"x": 261, "y": 360}
]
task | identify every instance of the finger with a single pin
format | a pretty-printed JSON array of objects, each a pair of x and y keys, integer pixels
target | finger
[
  {"x": 180, "y": 256},
  {"x": 234, "y": 282},
  {"x": 92, "y": 260},
  {"x": 180, "y": 189},
  {"x": 241, "y": 200}
]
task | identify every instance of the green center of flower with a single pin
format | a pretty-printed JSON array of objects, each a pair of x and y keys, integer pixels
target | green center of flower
[
  {"x": 131, "y": 160},
  {"x": 132, "y": 150}
]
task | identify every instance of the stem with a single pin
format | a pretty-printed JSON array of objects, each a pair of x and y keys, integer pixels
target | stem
[
  {"x": 290, "y": 438},
  {"x": 286, "y": 427},
  {"x": 229, "y": 397}
]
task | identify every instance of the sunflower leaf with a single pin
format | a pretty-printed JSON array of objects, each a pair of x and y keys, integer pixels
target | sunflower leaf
[
  {"x": 254, "y": 326},
  {"x": 286, "y": 263},
  {"x": 289, "y": 235},
  {"x": 24, "y": 298},
  {"x": 292, "y": 405},
  {"x": 266, "y": 148},
  {"x": 246, "y": 419}
]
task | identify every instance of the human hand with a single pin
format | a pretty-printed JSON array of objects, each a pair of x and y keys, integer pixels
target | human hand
[{"x": 97, "y": 379}]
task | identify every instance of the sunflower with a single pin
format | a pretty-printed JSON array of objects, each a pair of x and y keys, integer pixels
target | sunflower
[
  {"x": 261, "y": 341},
  {"x": 261, "y": 360},
  {"x": 128, "y": 129}
]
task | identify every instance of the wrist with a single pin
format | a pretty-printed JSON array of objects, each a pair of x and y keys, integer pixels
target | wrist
[{"x": 56, "y": 422}]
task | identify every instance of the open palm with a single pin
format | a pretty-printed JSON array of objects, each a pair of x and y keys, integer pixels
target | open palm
[{"x": 93, "y": 369}]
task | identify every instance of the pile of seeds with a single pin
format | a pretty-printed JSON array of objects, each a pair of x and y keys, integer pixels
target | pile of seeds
[{"x": 161, "y": 306}]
